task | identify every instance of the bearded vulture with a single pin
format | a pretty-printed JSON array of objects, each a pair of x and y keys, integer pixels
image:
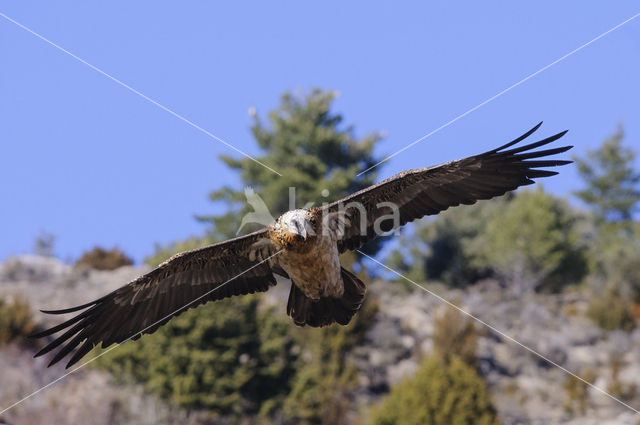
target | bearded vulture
[{"x": 302, "y": 245}]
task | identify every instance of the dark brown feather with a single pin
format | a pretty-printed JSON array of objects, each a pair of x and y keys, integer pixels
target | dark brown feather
[
  {"x": 327, "y": 310},
  {"x": 428, "y": 191},
  {"x": 184, "y": 281}
]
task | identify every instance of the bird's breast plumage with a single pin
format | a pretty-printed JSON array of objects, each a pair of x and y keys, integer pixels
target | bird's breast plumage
[{"x": 313, "y": 264}]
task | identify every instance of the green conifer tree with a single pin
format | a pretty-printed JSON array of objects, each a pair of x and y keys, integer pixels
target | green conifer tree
[
  {"x": 612, "y": 183},
  {"x": 220, "y": 357},
  {"x": 316, "y": 154},
  {"x": 438, "y": 394}
]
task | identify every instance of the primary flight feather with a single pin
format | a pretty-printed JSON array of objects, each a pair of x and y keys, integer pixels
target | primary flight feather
[{"x": 302, "y": 245}]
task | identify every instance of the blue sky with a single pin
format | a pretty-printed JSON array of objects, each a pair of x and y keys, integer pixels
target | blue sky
[{"x": 93, "y": 163}]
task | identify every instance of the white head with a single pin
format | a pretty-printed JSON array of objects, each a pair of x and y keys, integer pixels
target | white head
[{"x": 297, "y": 222}]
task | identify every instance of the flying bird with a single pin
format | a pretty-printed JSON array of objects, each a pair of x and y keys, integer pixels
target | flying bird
[{"x": 302, "y": 245}]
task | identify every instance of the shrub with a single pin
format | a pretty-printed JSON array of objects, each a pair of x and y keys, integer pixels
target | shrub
[
  {"x": 534, "y": 243},
  {"x": 616, "y": 387},
  {"x": 438, "y": 394},
  {"x": 101, "y": 259},
  {"x": 615, "y": 254},
  {"x": 611, "y": 312},
  {"x": 455, "y": 335},
  {"x": 16, "y": 320},
  {"x": 578, "y": 392}
]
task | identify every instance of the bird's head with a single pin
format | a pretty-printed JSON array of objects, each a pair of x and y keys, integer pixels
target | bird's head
[{"x": 297, "y": 226}]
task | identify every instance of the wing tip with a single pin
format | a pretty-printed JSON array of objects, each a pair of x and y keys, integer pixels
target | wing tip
[
  {"x": 532, "y": 145},
  {"x": 518, "y": 139},
  {"x": 38, "y": 334},
  {"x": 44, "y": 351},
  {"x": 71, "y": 309}
]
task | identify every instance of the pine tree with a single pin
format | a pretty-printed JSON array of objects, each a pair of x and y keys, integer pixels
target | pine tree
[
  {"x": 612, "y": 189},
  {"x": 220, "y": 357},
  {"x": 315, "y": 153}
]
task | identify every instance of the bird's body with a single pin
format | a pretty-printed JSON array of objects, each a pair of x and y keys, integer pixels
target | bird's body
[
  {"x": 301, "y": 245},
  {"x": 313, "y": 261}
]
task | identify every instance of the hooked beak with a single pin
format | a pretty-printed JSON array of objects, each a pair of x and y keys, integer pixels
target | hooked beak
[
  {"x": 302, "y": 230},
  {"x": 299, "y": 229}
]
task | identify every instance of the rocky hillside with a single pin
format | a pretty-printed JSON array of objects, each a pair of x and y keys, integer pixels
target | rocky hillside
[
  {"x": 89, "y": 395},
  {"x": 526, "y": 389}
]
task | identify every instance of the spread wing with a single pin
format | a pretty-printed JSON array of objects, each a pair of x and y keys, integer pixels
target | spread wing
[
  {"x": 235, "y": 267},
  {"x": 428, "y": 191}
]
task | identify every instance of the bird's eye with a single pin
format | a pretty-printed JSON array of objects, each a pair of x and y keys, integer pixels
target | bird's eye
[{"x": 313, "y": 221}]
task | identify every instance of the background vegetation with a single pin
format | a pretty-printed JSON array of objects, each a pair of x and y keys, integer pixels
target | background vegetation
[
  {"x": 237, "y": 359},
  {"x": 439, "y": 394},
  {"x": 16, "y": 320},
  {"x": 104, "y": 259}
]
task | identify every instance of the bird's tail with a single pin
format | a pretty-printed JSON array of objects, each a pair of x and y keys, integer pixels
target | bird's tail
[{"x": 326, "y": 310}]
